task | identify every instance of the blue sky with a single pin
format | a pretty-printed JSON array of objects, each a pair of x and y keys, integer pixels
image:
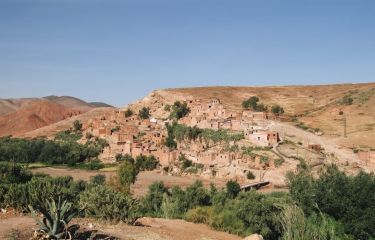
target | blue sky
[{"x": 118, "y": 51}]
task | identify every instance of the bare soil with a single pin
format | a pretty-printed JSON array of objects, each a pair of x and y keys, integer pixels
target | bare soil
[{"x": 146, "y": 229}]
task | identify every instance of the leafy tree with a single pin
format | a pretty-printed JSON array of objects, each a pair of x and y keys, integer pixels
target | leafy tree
[
  {"x": 233, "y": 189},
  {"x": 146, "y": 163},
  {"x": 128, "y": 112},
  {"x": 348, "y": 199},
  {"x": 144, "y": 113},
  {"x": 250, "y": 103},
  {"x": 127, "y": 174},
  {"x": 179, "y": 110},
  {"x": 151, "y": 203},
  {"x": 277, "y": 110},
  {"x": 253, "y": 103},
  {"x": 77, "y": 126}
]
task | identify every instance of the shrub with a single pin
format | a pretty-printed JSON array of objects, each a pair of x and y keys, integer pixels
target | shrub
[
  {"x": 77, "y": 126},
  {"x": 277, "y": 110},
  {"x": 347, "y": 100},
  {"x": 13, "y": 173},
  {"x": 98, "y": 179},
  {"x": 105, "y": 203},
  {"x": 200, "y": 215},
  {"x": 279, "y": 162},
  {"x": 250, "y": 175},
  {"x": 56, "y": 218}
]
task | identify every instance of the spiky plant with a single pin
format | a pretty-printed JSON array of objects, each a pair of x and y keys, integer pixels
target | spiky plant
[{"x": 56, "y": 218}]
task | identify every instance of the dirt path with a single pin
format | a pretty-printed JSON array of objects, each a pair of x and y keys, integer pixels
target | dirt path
[
  {"x": 329, "y": 144},
  {"x": 151, "y": 229}
]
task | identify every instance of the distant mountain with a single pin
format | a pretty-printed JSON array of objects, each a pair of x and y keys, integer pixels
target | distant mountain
[
  {"x": 100, "y": 104},
  {"x": 32, "y": 115},
  {"x": 21, "y": 115},
  {"x": 71, "y": 102}
]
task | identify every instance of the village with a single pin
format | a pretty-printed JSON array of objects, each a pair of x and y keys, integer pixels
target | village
[{"x": 247, "y": 157}]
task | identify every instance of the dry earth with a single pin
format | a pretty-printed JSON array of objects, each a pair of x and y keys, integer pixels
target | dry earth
[{"x": 150, "y": 229}]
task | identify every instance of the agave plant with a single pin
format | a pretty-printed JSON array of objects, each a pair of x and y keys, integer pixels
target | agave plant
[{"x": 56, "y": 218}]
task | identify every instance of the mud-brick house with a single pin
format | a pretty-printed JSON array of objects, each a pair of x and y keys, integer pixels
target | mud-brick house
[
  {"x": 122, "y": 137},
  {"x": 251, "y": 115},
  {"x": 263, "y": 138},
  {"x": 103, "y": 131},
  {"x": 368, "y": 156},
  {"x": 132, "y": 118},
  {"x": 207, "y": 158}
]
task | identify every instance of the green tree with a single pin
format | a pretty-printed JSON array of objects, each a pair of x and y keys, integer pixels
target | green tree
[
  {"x": 250, "y": 103},
  {"x": 179, "y": 110},
  {"x": 144, "y": 113},
  {"x": 277, "y": 110},
  {"x": 233, "y": 188},
  {"x": 128, "y": 112},
  {"x": 77, "y": 126},
  {"x": 127, "y": 174}
]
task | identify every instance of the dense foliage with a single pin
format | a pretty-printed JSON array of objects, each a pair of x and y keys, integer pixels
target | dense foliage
[
  {"x": 348, "y": 199},
  {"x": 180, "y": 132},
  {"x": 48, "y": 151},
  {"x": 105, "y": 203},
  {"x": 332, "y": 206}
]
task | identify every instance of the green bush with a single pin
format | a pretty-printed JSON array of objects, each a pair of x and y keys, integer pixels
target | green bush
[
  {"x": 250, "y": 175},
  {"x": 348, "y": 199},
  {"x": 148, "y": 163},
  {"x": 105, "y": 203},
  {"x": 200, "y": 215},
  {"x": 152, "y": 201},
  {"x": 38, "y": 189},
  {"x": 13, "y": 173},
  {"x": 233, "y": 189},
  {"x": 98, "y": 179}
]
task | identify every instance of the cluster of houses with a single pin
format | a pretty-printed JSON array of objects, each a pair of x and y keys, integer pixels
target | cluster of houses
[{"x": 135, "y": 136}]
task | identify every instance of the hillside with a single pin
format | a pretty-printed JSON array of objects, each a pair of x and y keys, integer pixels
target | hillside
[
  {"x": 71, "y": 102},
  {"x": 52, "y": 129},
  {"x": 33, "y": 115},
  {"x": 21, "y": 115},
  {"x": 315, "y": 106}
]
